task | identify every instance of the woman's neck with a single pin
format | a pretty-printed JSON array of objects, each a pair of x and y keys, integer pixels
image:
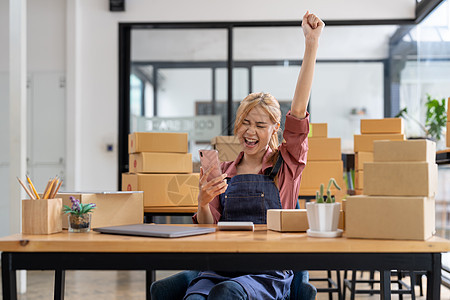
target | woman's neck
[{"x": 251, "y": 163}]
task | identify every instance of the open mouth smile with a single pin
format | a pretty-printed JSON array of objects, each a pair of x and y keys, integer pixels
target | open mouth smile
[{"x": 250, "y": 142}]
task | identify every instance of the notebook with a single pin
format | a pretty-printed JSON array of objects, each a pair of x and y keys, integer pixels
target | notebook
[{"x": 155, "y": 230}]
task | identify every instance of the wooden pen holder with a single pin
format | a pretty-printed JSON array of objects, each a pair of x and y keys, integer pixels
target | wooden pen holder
[{"x": 41, "y": 216}]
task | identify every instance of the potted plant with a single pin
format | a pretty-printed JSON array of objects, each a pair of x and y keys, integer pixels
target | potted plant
[
  {"x": 435, "y": 119},
  {"x": 323, "y": 214},
  {"x": 79, "y": 215}
]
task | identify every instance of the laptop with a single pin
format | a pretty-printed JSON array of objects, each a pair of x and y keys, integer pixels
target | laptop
[{"x": 155, "y": 230}]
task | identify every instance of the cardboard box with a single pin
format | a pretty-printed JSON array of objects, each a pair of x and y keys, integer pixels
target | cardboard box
[
  {"x": 227, "y": 146},
  {"x": 324, "y": 149},
  {"x": 361, "y": 158},
  {"x": 410, "y": 150},
  {"x": 41, "y": 216},
  {"x": 400, "y": 179},
  {"x": 387, "y": 125},
  {"x": 317, "y": 172},
  {"x": 285, "y": 220},
  {"x": 408, "y": 218},
  {"x": 149, "y": 162},
  {"x": 359, "y": 180},
  {"x": 364, "y": 142},
  {"x": 359, "y": 192},
  {"x": 164, "y": 189},
  {"x": 318, "y": 130},
  {"x": 158, "y": 142},
  {"x": 291, "y": 220},
  {"x": 448, "y": 134},
  {"x": 112, "y": 208}
]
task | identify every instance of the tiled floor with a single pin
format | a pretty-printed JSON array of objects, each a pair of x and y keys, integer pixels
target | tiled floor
[{"x": 130, "y": 285}]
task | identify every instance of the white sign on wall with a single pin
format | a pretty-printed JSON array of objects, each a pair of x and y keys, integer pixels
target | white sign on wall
[{"x": 199, "y": 128}]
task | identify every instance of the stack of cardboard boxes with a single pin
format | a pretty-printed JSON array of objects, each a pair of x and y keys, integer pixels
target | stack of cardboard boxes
[
  {"x": 400, "y": 186},
  {"x": 324, "y": 161},
  {"x": 161, "y": 167},
  {"x": 227, "y": 146},
  {"x": 448, "y": 122},
  {"x": 373, "y": 130}
]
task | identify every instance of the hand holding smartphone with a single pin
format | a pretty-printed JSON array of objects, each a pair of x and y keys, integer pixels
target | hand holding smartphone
[{"x": 210, "y": 159}]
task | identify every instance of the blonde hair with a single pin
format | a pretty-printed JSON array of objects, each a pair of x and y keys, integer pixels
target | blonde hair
[{"x": 271, "y": 106}]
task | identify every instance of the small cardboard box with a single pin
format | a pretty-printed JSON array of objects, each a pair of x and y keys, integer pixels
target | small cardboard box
[
  {"x": 387, "y": 125},
  {"x": 364, "y": 142},
  {"x": 403, "y": 218},
  {"x": 227, "y": 146},
  {"x": 164, "y": 189},
  {"x": 318, "y": 130},
  {"x": 359, "y": 180},
  {"x": 41, "y": 216},
  {"x": 400, "y": 179},
  {"x": 294, "y": 220},
  {"x": 410, "y": 150},
  {"x": 361, "y": 158},
  {"x": 149, "y": 162},
  {"x": 112, "y": 208},
  {"x": 158, "y": 142},
  {"x": 291, "y": 220},
  {"x": 324, "y": 149},
  {"x": 317, "y": 172}
]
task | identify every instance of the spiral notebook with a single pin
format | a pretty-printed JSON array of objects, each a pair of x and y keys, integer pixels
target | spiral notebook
[{"x": 155, "y": 230}]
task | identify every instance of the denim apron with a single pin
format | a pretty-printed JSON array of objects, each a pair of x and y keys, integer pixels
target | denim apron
[{"x": 247, "y": 198}]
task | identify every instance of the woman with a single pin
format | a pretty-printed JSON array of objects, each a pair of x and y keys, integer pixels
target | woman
[{"x": 264, "y": 176}]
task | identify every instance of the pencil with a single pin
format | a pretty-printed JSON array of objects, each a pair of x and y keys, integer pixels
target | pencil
[
  {"x": 52, "y": 190},
  {"x": 26, "y": 189},
  {"x": 47, "y": 188},
  {"x": 32, "y": 187},
  {"x": 57, "y": 189}
]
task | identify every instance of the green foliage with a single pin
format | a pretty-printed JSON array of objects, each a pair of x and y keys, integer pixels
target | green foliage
[
  {"x": 78, "y": 208},
  {"x": 436, "y": 117},
  {"x": 330, "y": 199}
]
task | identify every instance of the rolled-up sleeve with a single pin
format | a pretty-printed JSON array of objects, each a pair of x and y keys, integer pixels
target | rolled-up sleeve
[{"x": 294, "y": 149}]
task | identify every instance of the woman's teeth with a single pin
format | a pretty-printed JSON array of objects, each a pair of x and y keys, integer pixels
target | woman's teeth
[{"x": 250, "y": 142}]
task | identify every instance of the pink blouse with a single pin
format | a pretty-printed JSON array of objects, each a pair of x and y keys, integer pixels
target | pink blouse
[{"x": 293, "y": 150}]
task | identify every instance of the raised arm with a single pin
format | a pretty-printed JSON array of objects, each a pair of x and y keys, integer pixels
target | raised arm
[{"x": 312, "y": 28}]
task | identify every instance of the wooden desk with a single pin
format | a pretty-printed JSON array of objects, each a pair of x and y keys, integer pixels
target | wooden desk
[{"x": 222, "y": 251}]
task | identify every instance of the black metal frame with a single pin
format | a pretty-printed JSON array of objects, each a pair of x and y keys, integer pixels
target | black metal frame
[{"x": 62, "y": 261}]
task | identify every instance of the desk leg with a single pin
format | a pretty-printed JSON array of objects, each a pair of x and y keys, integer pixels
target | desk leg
[
  {"x": 434, "y": 278},
  {"x": 9, "y": 281},
  {"x": 385, "y": 284},
  {"x": 150, "y": 277},
  {"x": 60, "y": 279}
]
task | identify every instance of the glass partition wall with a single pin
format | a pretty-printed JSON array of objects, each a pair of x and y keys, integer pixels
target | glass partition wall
[{"x": 191, "y": 77}]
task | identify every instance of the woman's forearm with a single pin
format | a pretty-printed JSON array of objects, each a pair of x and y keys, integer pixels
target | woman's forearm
[
  {"x": 304, "y": 81},
  {"x": 204, "y": 215}
]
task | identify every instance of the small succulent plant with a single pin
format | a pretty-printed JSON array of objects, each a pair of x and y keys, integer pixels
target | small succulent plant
[{"x": 330, "y": 199}]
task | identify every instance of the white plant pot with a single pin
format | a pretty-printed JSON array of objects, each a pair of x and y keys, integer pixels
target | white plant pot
[{"x": 323, "y": 217}]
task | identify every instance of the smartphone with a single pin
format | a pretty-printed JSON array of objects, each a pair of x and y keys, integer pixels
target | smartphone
[{"x": 210, "y": 159}]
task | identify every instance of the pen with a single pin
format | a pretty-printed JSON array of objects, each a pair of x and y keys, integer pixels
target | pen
[
  {"x": 32, "y": 187},
  {"x": 26, "y": 189}
]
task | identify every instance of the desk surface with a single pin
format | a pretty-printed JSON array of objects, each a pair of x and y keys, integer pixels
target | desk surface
[{"x": 259, "y": 241}]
